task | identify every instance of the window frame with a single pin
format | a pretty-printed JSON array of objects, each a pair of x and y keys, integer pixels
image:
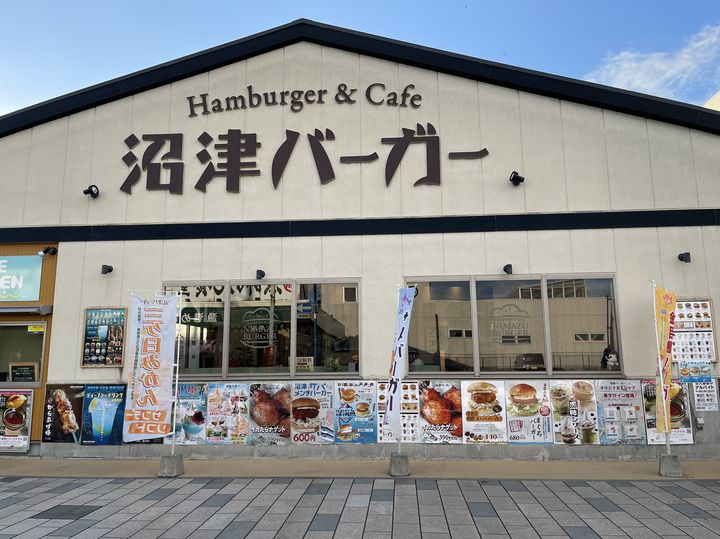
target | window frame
[
  {"x": 41, "y": 369},
  {"x": 291, "y": 373},
  {"x": 544, "y": 296}
]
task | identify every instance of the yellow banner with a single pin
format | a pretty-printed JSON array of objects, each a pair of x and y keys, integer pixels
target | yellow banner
[{"x": 665, "y": 319}]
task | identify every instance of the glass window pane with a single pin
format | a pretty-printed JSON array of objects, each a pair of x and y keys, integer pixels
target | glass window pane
[
  {"x": 327, "y": 328},
  {"x": 19, "y": 344},
  {"x": 438, "y": 307},
  {"x": 260, "y": 328},
  {"x": 510, "y": 325},
  {"x": 591, "y": 314},
  {"x": 200, "y": 328}
]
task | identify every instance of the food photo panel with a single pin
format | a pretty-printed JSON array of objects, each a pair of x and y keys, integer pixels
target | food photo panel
[
  {"x": 313, "y": 417},
  {"x": 529, "y": 416},
  {"x": 190, "y": 414},
  {"x": 483, "y": 404},
  {"x": 441, "y": 416},
  {"x": 270, "y": 409},
  {"x": 574, "y": 412},
  {"x": 62, "y": 414},
  {"x": 680, "y": 414},
  {"x": 409, "y": 411},
  {"x": 227, "y": 413},
  {"x": 16, "y": 414},
  {"x": 103, "y": 414},
  {"x": 355, "y": 412}
]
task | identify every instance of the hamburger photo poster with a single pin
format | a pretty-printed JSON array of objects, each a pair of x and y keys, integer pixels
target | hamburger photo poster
[
  {"x": 680, "y": 417},
  {"x": 441, "y": 417},
  {"x": 529, "y": 416},
  {"x": 191, "y": 416},
  {"x": 621, "y": 417},
  {"x": 355, "y": 414},
  {"x": 574, "y": 412},
  {"x": 483, "y": 404},
  {"x": 409, "y": 408},
  {"x": 312, "y": 418},
  {"x": 227, "y": 413},
  {"x": 62, "y": 414},
  {"x": 103, "y": 414},
  {"x": 16, "y": 413},
  {"x": 270, "y": 406}
]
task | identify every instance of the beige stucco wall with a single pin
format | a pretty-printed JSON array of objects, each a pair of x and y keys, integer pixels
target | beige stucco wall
[{"x": 574, "y": 157}]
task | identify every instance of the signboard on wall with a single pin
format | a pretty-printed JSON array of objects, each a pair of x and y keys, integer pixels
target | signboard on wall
[
  {"x": 20, "y": 278},
  {"x": 16, "y": 414}
]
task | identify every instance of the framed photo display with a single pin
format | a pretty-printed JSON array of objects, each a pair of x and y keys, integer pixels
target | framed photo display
[{"x": 104, "y": 337}]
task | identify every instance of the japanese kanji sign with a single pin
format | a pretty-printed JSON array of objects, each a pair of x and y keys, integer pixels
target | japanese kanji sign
[
  {"x": 151, "y": 342},
  {"x": 392, "y": 423}
]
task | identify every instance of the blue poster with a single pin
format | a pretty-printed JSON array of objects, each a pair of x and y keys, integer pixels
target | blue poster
[
  {"x": 692, "y": 372},
  {"x": 355, "y": 413},
  {"x": 20, "y": 278},
  {"x": 103, "y": 413}
]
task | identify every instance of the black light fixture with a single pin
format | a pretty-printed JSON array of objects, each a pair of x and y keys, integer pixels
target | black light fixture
[
  {"x": 516, "y": 179},
  {"x": 47, "y": 251},
  {"x": 105, "y": 269},
  {"x": 259, "y": 274},
  {"x": 507, "y": 268},
  {"x": 684, "y": 257},
  {"x": 92, "y": 190}
]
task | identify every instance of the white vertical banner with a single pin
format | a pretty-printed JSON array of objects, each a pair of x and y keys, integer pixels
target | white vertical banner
[
  {"x": 398, "y": 366},
  {"x": 151, "y": 343}
]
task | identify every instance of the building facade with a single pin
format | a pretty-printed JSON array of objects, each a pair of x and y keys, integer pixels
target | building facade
[{"x": 285, "y": 185}]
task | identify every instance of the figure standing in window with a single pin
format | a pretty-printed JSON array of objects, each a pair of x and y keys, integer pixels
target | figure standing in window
[{"x": 610, "y": 360}]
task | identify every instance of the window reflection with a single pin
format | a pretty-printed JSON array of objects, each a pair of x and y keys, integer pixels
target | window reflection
[{"x": 440, "y": 337}]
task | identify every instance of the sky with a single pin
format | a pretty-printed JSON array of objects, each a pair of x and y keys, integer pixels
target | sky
[{"x": 668, "y": 49}]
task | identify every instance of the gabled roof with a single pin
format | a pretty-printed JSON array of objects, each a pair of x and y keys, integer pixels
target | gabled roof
[{"x": 554, "y": 86}]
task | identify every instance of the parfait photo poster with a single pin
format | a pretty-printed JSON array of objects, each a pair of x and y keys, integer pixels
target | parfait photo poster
[
  {"x": 191, "y": 415},
  {"x": 441, "y": 417},
  {"x": 227, "y": 413},
  {"x": 270, "y": 407},
  {"x": 529, "y": 416},
  {"x": 574, "y": 412},
  {"x": 313, "y": 417},
  {"x": 355, "y": 413},
  {"x": 680, "y": 416},
  {"x": 63, "y": 412},
  {"x": 483, "y": 404},
  {"x": 102, "y": 414}
]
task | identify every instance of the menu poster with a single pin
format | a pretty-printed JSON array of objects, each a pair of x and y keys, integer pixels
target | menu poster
[
  {"x": 574, "y": 412},
  {"x": 104, "y": 337},
  {"x": 441, "y": 412},
  {"x": 694, "y": 371},
  {"x": 355, "y": 412},
  {"x": 270, "y": 407},
  {"x": 102, "y": 414},
  {"x": 529, "y": 416},
  {"x": 483, "y": 418},
  {"x": 191, "y": 415},
  {"x": 680, "y": 415},
  {"x": 409, "y": 412},
  {"x": 313, "y": 418},
  {"x": 16, "y": 413},
  {"x": 620, "y": 412},
  {"x": 705, "y": 396},
  {"x": 62, "y": 415},
  {"x": 227, "y": 413}
]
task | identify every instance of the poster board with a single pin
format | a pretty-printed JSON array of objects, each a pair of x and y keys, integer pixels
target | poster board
[
  {"x": 16, "y": 420},
  {"x": 62, "y": 413},
  {"x": 103, "y": 414},
  {"x": 483, "y": 417},
  {"x": 441, "y": 412},
  {"x": 529, "y": 415},
  {"x": 103, "y": 337}
]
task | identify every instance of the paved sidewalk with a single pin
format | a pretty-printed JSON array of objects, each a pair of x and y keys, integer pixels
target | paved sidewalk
[{"x": 360, "y": 507}]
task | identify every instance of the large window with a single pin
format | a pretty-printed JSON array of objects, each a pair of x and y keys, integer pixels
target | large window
[
  {"x": 543, "y": 324},
  {"x": 510, "y": 325},
  {"x": 434, "y": 343},
  {"x": 21, "y": 351},
  {"x": 286, "y": 328}
]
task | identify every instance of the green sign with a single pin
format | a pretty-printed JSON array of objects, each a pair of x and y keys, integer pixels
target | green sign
[{"x": 20, "y": 278}]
